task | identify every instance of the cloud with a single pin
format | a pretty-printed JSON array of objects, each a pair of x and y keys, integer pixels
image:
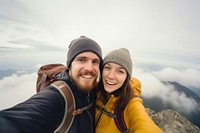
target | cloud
[
  {"x": 15, "y": 89},
  {"x": 19, "y": 87},
  {"x": 159, "y": 30},
  {"x": 153, "y": 87},
  {"x": 178, "y": 99},
  {"x": 22, "y": 31},
  {"x": 186, "y": 77}
]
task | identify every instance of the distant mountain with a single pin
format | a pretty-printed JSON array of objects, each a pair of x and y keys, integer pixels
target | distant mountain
[
  {"x": 157, "y": 104},
  {"x": 196, "y": 90},
  {"x": 189, "y": 93},
  {"x": 8, "y": 72}
]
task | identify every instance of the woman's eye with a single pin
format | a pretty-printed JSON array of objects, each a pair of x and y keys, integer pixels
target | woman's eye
[
  {"x": 121, "y": 72},
  {"x": 107, "y": 68}
]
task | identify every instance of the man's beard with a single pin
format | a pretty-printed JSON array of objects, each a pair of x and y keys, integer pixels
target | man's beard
[
  {"x": 86, "y": 88},
  {"x": 82, "y": 85}
]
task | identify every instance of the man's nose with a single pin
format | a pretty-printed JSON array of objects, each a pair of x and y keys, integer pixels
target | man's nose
[{"x": 89, "y": 66}]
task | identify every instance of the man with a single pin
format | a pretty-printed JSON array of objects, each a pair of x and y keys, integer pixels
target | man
[{"x": 45, "y": 111}]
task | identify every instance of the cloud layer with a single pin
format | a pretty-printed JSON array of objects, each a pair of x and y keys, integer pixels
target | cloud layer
[
  {"x": 152, "y": 86},
  {"x": 17, "y": 88}
]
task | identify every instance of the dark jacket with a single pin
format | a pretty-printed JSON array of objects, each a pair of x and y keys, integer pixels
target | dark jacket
[
  {"x": 83, "y": 123},
  {"x": 44, "y": 111}
]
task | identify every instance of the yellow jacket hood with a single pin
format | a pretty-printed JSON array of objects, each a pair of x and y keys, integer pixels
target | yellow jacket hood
[{"x": 136, "y": 86}]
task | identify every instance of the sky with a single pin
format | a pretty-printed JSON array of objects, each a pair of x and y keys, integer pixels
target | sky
[{"x": 162, "y": 36}]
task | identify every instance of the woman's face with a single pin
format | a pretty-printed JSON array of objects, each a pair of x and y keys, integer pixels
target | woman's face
[{"x": 113, "y": 76}]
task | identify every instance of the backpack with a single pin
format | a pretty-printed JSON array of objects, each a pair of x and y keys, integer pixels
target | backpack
[
  {"x": 118, "y": 118},
  {"x": 47, "y": 76}
]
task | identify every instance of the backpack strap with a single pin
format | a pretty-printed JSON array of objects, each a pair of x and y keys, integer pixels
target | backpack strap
[
  {"x": 70, "y": 105},
  {"x": 80, "y": 111},
  {"x": 120, "y": 122},
  {"x": 118, "y": 118},
  {"x": 106, "y": 112},
  {"x": 68, "y": 118}
]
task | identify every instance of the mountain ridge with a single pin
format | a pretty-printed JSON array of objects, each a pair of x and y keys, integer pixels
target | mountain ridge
[
  {"x": 157, "y": 104},
  {"x": 180, "y": 88},
  {"x": 170, "y": 121}
]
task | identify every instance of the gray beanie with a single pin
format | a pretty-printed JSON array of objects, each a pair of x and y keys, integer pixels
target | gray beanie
[
  {"x": 122, "y": 57},
  {"x": 80, "y": 45}
]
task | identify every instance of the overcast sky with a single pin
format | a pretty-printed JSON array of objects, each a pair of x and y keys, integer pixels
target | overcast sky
[{"x": 157, "y": 32}]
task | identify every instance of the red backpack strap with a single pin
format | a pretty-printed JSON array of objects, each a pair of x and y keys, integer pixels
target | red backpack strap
[
  {"x": 120, "y": 122},
  {"x": 70, "y": 105}
]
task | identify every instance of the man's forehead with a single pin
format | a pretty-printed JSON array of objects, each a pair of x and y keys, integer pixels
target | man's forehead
[{"x": 88, "y": 54}]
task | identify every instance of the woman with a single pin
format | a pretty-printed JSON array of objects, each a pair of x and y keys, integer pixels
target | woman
[{"x": 118, "y": 92}]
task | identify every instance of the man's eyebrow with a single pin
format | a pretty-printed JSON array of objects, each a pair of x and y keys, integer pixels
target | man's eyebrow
[
  {"x": 84, "y": 57},
  {"x": 96, "y": 59},
  {"x": 80, "y": 57}
]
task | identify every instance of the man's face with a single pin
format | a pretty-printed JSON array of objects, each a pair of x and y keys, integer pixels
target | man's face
[{"x": 84, "y": 70}]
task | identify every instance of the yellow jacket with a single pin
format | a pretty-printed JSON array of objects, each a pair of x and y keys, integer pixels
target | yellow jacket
[{"x": 136, "y": 118}]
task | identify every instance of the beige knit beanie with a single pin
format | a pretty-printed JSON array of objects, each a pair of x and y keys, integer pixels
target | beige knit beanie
[{"x": 120, "y": 56}]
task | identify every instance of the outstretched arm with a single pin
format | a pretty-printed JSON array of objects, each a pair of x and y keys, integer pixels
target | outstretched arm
[
  {"x": 43, "y": 112},
  {"x": 137, "y": 119}
]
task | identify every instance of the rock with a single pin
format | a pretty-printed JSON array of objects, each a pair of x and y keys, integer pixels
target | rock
[{"x": 171, "y": 121}]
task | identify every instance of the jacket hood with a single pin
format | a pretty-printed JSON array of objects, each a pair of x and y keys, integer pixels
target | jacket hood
[{"x": 136, "y": 86}]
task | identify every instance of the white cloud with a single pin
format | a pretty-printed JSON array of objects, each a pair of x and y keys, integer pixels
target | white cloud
[
  {"x": 178, "y": 99},
  {"x": 15, "y": 89},
  {"x": 152, "y": 86},
  {"x": 186, "y": 77},
  {"x": 18, "y": 88},
  {"x": 159, "y": 29}
]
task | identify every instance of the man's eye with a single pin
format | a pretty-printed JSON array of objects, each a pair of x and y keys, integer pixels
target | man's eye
[
  {"x": 81, "y": 60},
  {"x": 96, "y": 62}
]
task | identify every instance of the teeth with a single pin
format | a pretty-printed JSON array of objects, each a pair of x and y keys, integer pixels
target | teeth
[
  {"x": 87, "y": 76},
  {"x": 109, "y": 82}
]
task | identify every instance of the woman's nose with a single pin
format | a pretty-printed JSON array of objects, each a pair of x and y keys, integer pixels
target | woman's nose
[{"x": 111, "y": 74}]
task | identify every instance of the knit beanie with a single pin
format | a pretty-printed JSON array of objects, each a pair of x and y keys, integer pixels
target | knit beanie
[
  {"x": 80, "y": 45},
  {"x": 122, "y": 57}
]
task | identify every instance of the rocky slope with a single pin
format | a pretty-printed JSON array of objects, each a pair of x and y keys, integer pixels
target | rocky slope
[{"x": 171, "y": 121}]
